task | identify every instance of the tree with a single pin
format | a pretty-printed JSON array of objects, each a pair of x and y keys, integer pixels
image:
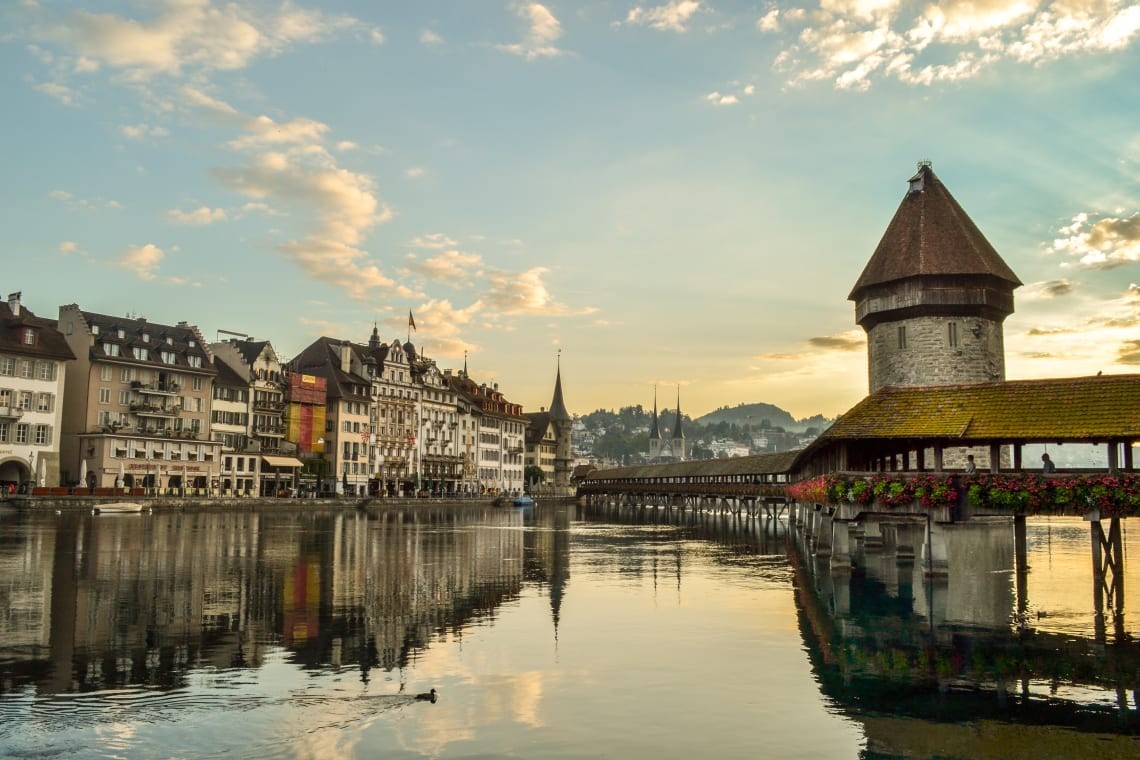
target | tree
[{"x": 534, "y": 474}]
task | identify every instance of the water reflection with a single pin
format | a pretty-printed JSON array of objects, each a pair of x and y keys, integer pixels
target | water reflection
[
  {"x": 302, "y": 628},
  {"x": 109, "y": 601}
]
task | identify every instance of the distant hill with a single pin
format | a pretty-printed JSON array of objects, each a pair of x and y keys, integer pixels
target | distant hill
[{"x": 742, "y": 414}]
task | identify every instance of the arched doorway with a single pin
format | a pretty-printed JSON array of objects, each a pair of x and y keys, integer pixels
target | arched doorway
[{"x": 15, "y": 474}]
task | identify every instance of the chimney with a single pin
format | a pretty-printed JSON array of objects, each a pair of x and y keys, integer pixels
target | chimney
[
  {"x": 14, "y": 303},
  {"x": 345, "y": 357}
]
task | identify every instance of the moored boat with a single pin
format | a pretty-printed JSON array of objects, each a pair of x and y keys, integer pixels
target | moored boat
[
  {"x": 119, "y": 507},
  {"x": 522, "y": 501}
]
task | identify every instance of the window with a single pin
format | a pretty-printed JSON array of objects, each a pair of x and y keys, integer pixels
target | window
[
  {"x": 5, "y": 432},
  {"x": 5, "y": 397},
  {"x": 124, "y": 397},
  {"x": 47, "y": 370},
  {"x": 197, "y": 384},
  {"x": 194, "y": 361},
  {"x": 22, "y": 433},
  {"x": 146, "y": 337},
  {"x": 195, "y": 426},
  {"x": 902, "y": 336},
  {"x": 111, "y": 349},
  {"x": 26, "y": 400},
  {"x": 104, "y": 395},
  {"x": 127, "y": 374},
  {"x": 105, "y": 372},
  {"x": 27, "y": 368},
  {"x": 142, "y": 354},
  {"x": 121, "y": 333},
  {"x": 44, "y": 402},
  {"x": 29, "y": 336},
  {"x": 167, "y": 357},
  {"x": 8, "y": 366},
  {"x": 952, "y": 334},
  {"x": 42, "y": 435}
]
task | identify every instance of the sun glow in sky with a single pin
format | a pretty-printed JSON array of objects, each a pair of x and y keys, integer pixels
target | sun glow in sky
[{"x": 680, "y": 193}]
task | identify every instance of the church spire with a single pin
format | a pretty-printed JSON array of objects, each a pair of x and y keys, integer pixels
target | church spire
[
  {"x": 558, "y": 411},
  {"x": 655, "y": 431},
  {"x": 677, "y": 432}
]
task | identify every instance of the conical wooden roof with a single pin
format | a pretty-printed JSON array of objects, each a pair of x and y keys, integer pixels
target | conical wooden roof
[{"x": 930, "y": 235}]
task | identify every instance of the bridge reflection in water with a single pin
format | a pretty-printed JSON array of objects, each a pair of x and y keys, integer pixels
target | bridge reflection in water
[{"x": 957, "y": 664}]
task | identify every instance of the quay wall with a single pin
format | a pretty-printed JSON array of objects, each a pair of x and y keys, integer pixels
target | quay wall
[{"x": 252, "y": 504}]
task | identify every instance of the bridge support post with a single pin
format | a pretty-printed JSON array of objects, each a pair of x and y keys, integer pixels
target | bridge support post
[
  {"x": 872, "y": 534},
  {"x": 840, "y": 546},
  {"x": 1021, "y": 568},
  {"x": 1108, "y": 573},
  {"x": 935, "y": 561},
  {"x": 823, "y": 533}
]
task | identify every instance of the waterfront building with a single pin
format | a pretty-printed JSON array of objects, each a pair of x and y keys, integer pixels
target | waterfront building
[
  {"x": 541, "y": 444},
  {"x": 440, "y": 461},
  {"x": 229, "y": 425},
  {"x": 33, "y": 358},
  {"x": 137, "y": 408},
  {"x": 499, "y": 437},
  {"x": 257, "y": 362},
  {"x": 467, "y": 414},
  {"x": 305, "y": 398},
  {"x": 348, "y": 408},
  {"x": 934, "y": 294},
  {"x": 393, "y": 455}
]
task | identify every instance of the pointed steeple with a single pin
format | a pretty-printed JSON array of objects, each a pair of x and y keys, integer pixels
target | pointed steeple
[
  {"x": 655, "y": 431},
  {"x": 374, "y": 339},
  {"x": 677, "y": 431},
  {"x": 931, "y": 235},
  {"x": 464, "y": 364},
  {"x": 558, "y": 411}
]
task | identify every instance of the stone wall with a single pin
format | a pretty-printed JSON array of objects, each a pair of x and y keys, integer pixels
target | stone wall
[{"x": 928, "y": 358}]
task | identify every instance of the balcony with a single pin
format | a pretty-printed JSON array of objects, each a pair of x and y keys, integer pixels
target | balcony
[
  {"x": 265, "y": 405},
  {"x": 276, "y": 431},
  {"x": 158, "y": 389},
  {"x": 11, "y": 412},
  {"x": 144, "y": 409}
]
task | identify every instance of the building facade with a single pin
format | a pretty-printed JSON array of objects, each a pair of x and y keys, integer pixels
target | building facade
[{"x": 33, "y": 360}]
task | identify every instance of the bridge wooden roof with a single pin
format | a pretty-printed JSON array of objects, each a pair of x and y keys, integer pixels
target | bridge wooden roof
[
  {"x": 1060, "y": 409},
  {"x": 757, "y": 464}
]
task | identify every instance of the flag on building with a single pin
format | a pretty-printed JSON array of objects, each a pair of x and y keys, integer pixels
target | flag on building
[
  {"x": 364, "y": 436},
  {"x": 411, "y": 320}
]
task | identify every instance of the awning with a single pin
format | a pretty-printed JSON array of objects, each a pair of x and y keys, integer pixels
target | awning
[{"x": 281, "y": 461}]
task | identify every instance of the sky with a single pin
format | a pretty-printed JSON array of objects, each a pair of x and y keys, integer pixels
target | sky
[{"x": 672, "y": 195}]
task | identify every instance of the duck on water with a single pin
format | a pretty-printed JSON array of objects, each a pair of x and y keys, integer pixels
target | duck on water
[{"x": 427, "y": 696}]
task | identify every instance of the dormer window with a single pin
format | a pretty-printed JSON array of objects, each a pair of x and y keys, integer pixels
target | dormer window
[
  {"x": 142, "y": 354},
  {"x": 111, "y": 349},
  {"x": 146, "y": 337},
  {"x": 122, "y": 333},
  {"x": 167, "y": 357},
  {"x": 29, "y": 336},
  {"x": 94, "y": 329},
  {"x": 194, "y": 361},
  {"x": 190, "y": 343},
  {"x": 169, "y": 341}
]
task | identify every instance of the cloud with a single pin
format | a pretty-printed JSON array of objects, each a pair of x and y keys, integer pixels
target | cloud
[
  {"x": 142, "y": 260},
  {"x": 510, "y": 293},
  {"x": 69, "y": 199},
  {"x": 853, "y": 42},
  {"x": 60, "y": 92},
  {"x": 198, "y": 217},
  {"x": 414, "y": 172},
  {"x": 68, "y": 247},
  {"x": 142, "y": 131},
  {"x": 543, "y": 29},
  {"x": 346, "y": 145},
  {"x": 852, "y": 340},
  {"x": 428, "y": 37},
  {"x": 1046, "y": 289},
  {"x": 673, "y": 16},
  {"x": 1106, "y": 243},
  {"x": 454, "y": 268},
  {"x": 441, "y": 323},
  {"x": 1037, "y": 332},
  {"x": 263, "y": 131},
  {"x": 1128, "y": 352},
  {"x": 432, "y": 240},
  {"x": 192, "y": 35},
  {"x": 198, "y": 99},
  {"x": 717, "y": 99}
]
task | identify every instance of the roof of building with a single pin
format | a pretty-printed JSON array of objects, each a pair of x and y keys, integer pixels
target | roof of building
[
  {"x": 558, "y": 411},
  {"x": 50, "y": 343},
  {"x": 322, "y": 358},
  {"x": 228, "y": 376},
  {"x": 930, "y": 234},
  {"x": 250, "y": 350},
  {"x": 183, "y": 340},
  {"x": 537, "y": 426},
  {"x": 757, "y": 464},
  {"x": 1057, "y": 409}
]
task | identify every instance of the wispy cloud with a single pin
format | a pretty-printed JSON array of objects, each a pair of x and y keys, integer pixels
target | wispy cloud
[
  {"x": 673, "y": 16},
  {"x": 69, "y": 199},
  {"x": 199, "y": 217},
  {"x": 143, "y": 260},
  {"x": 853, "y": 42},
  {"x": 142, "y": 131},
  {"x": 454, "y": 268},
  {"x": 428, "y": 37},
  {"x": 1103, "y": 243},
  {"x": 1047, "y": 289},
  {"x": 542, "y": 31}
]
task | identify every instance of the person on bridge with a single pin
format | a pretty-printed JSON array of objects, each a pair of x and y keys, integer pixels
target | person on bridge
[
  {"x": 971, "y": 468},
  {"x": 1047, "y": 465}
]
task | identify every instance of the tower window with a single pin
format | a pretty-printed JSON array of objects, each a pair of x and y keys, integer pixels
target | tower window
[
  {"x": 952, "y": 334},
  {"x": 902, "y": 336}
]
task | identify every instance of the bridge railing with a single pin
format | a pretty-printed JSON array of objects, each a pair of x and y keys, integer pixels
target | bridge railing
[{"x": 741, "y": 490}]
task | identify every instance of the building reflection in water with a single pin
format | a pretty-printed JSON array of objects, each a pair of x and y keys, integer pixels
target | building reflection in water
[{"x": 100, "y": 602}]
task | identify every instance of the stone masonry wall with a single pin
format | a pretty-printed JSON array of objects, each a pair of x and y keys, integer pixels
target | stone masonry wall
[{"x": 929, "y": 359}]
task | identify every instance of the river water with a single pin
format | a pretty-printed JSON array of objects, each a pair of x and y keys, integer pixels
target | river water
[{"x": 551, "y": 632}]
